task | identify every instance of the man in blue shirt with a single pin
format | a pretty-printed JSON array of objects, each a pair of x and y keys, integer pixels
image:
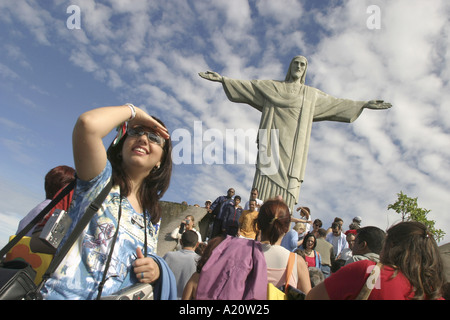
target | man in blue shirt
[
  {"x": 217, "y": 208},
  {"x": 231, "y": 213}
]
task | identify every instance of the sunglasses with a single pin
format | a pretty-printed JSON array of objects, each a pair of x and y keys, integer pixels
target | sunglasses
[{"x": 152, "y": 137}]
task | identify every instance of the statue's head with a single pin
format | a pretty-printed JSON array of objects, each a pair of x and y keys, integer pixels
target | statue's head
[{"x": 294, "y": 62}]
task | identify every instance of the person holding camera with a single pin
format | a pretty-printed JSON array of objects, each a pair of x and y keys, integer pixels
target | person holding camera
[
  {"x": 188, "y": 223},
  {"x": 139, "y": 163}
]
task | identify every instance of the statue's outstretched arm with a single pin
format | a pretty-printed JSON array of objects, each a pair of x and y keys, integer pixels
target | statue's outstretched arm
[
  {"x": 211, "y": 75},
  {"x": 377, "y": 104}
]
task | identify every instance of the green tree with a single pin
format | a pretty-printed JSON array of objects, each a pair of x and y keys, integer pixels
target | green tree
[{"x": 409, "y": 210}]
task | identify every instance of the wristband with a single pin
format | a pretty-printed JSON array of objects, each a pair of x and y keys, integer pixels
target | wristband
[{"x": 133, "y": 110}]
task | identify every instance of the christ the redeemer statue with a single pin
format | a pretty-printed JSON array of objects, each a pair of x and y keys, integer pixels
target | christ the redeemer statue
[{"x": 290, "y": 107}]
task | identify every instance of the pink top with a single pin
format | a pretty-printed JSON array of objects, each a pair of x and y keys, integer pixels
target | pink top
[{"x": 277, "y": 259}]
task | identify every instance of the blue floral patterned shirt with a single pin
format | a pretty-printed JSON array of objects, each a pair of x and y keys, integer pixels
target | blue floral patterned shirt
[{"x": 79, "y": 274}]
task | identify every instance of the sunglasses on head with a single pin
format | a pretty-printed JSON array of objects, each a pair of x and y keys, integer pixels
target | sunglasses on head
[{"x": 152, "y": 137}]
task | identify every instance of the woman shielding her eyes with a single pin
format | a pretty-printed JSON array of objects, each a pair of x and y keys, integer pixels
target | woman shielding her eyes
[{"x": 139, "y": 164}]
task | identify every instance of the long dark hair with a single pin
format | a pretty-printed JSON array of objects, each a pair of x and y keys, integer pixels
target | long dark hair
[
  {"x": 410, "y": 248},
  {"x": 154, "y": 185},
  {"x": 305, "y": 240}
]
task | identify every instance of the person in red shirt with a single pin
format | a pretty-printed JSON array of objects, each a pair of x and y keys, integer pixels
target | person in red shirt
[{"x": 411, "y": 269}]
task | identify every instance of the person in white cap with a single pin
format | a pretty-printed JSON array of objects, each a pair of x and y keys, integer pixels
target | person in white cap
[{"x": 357, "y": 220}]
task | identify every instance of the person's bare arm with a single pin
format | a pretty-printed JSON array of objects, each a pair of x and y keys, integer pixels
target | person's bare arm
[
  {"x": 319, "y": 292},
  {"x": 304, "y": 282},
  {"x": 190, "y": 289}
]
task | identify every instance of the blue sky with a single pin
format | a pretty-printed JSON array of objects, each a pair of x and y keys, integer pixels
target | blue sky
[{"x": 150, "y": 52}]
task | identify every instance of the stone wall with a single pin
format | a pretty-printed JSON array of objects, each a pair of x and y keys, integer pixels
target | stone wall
[{"x": 172, "y": 214}]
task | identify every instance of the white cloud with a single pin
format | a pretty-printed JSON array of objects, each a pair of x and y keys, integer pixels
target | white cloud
[
  {"x": 7, "y": 228},
  {"x": 7, "y": 73},
  {"x": 114, "y": 79},
  {"x": 20, "y": 200},
  {"x": 84, "y": 60},
  {"x": 21, "y": 148},
  {"x": 29, "y": 13},
  {"x": 97, "y": 20},
  {"x": 15, "y": 53},
  {"x": 286, "y": 15},
  {"x": 237, "y": 16}
]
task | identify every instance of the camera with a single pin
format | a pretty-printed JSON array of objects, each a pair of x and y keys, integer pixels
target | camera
[
  {"x": 182, "y": 225},
  {"x": 55, "y": 228},
  {"x": 138, "y": 291}
]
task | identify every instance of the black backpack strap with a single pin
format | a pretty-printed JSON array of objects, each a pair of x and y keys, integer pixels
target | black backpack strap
[{"x": 38, "y": 218}]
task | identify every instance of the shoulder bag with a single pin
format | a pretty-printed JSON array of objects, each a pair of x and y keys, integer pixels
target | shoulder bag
[
  {"x": 285, "y": 292},
  {"x": 17, "y": 279}
]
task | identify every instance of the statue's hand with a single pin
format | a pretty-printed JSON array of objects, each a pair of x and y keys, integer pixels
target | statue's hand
[
  {"x": 377, "y": 104},
  {"x": 211, "y": 75}
]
